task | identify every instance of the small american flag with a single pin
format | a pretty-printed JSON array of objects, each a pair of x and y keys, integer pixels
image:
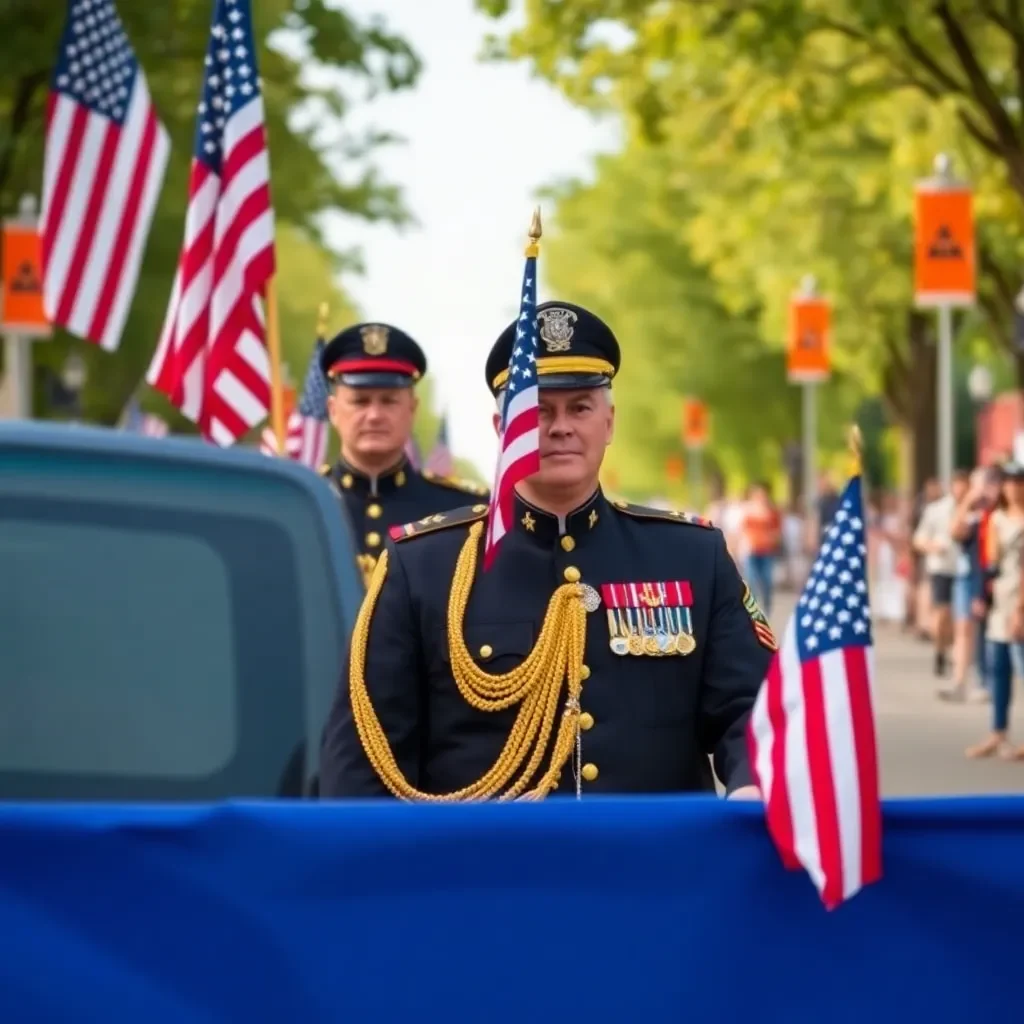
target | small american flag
[
  {"x": 519, "y": 441},
  {"x": 145, "y": 423},
  {"x": 212, "y": 359},
  {"x": 306, "y": 433},
  {"x": 412, "y": 453},
  {"x": 103, "y": 166},
  {"x": 812, "y": 729},
  {"x": 440, "y": 458}
]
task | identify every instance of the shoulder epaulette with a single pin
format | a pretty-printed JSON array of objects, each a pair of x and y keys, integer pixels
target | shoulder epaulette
[
  {"x": 455, "y": 484},
  {"x": 670, "y": 515},
  {"x": 439, "y": 521}
]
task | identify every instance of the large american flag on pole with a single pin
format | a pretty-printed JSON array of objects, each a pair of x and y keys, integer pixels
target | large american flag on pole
[
  {"x": 103, "y": 166},
  {"x": 519, "y": 440},
  {"x": 306, "y": 432},
  {"x": 812, "y": 729},
  {"x": 212, "y": 359}
]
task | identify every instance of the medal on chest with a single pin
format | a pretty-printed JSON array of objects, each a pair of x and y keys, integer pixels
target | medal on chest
[{"x": 650, "y": 619}]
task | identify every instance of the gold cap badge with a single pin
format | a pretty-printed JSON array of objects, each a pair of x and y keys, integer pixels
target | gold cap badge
[
  {"x": 556, "y": 328},
  {"x": 375, "y": 339}
]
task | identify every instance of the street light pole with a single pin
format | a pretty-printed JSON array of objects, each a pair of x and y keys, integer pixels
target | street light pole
[{"x": 809, "y": 290}]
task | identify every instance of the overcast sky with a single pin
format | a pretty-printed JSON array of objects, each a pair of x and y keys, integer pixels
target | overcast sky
[{"x": 453, "y": 282}]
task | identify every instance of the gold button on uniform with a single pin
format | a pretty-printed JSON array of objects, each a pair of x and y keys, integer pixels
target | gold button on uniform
[
  {"x": 567, "y": 543},
  {"x": 399, "y": 478},
  {"x": 571, "y": 574},
  {"x": 486, "y": 651},
  {"x": 346, "y": 480},
  {"x": 374, "y": 511},
  {"x": 590, "y": 772},
  {"x": 584, "y": 671},
  {"x": 373, "y": 539},
  {"x": 587, "y": 722}
]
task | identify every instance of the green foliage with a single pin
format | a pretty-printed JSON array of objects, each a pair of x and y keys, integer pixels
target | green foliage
[
  {"x": 315, "y": 164},
  {"x": 769, "y": 139}
]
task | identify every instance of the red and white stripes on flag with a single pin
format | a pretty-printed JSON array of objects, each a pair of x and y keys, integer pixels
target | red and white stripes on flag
[
  {"x": 212, "y": 360},
  {"x": 103, "y": 166},
  {"x": 813, "y": 748},
  {"x": 519, "y": 442},
  {"x": 305, "y": 440}
]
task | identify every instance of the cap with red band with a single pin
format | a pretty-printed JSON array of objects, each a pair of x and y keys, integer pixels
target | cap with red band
[{"x": 373, "y": 355}]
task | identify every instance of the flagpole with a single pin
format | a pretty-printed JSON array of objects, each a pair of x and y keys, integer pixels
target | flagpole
[
  {"x": 274, "y": 352},
  {"x": 856, "y": 443}
]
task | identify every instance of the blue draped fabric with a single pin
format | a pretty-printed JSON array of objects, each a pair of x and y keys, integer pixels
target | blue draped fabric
[{"x": 599, "y": 911}]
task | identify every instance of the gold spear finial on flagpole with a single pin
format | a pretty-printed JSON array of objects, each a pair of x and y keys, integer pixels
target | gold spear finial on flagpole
[
  {"x": 321, "y": 319},
  {"x": 533, "y": 247}
]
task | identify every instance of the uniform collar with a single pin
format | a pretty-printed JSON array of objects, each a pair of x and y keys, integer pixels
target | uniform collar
[
  {"x": 351, "y": 479},
  {"x": 547, "y": 530}
]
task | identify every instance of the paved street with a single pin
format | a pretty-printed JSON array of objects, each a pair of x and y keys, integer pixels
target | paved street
[{"x": 922, "y": 738}]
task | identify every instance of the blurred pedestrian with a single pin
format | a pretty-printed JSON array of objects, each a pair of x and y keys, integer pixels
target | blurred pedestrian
[
  {"x": 762, "y": 536},
  {"x": 1005, "y": 629},
  {"x": 934, "y": 540}
]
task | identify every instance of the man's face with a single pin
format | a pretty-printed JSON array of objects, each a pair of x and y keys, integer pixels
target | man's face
[
  {"x": 575, "y": 429},
  {"x": 372, "y": 422},
  {"x": 958, "y": 487}
]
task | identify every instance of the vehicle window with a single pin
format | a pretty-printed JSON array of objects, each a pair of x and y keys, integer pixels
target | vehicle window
[
  {"x": 113, "y": 662},
  {"x": 144, "y": 652}
]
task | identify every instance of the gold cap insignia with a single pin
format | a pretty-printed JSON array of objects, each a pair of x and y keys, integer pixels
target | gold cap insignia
[
  {"x": 375, "y": 339},
  {"x": 556, "y": 328}
]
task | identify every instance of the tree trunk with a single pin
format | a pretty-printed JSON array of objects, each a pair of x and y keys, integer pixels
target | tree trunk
[{"x": 909, "y": 384}]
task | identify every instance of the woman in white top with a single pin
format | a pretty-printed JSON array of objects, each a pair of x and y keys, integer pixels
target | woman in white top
[{"x": 1004, "y": 632}]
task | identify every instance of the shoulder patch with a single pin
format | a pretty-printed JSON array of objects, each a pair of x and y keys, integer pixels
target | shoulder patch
[
  {"x": 669, "y": 515},
  {"x": 454, "y": 483},
  {"x": 439, "y": 521},
  {"x": 762, "y": 628}
]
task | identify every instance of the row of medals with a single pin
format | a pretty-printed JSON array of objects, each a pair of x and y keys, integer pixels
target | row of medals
[{"x": 656, "y": 631}]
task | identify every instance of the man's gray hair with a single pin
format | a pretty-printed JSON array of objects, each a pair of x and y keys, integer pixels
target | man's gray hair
[{"x": 499, "y": 400}]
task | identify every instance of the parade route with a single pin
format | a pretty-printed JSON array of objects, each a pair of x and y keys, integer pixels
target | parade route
[{"x": 922, "y": 738}]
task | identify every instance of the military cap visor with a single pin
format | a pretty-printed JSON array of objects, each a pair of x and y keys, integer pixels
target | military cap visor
[
  {"x": 576, "y": 350},
  {"x": 372, "y": 355}
]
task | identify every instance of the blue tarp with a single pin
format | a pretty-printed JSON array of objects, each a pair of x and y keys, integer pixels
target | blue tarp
[{"x": 598, "y": 911}]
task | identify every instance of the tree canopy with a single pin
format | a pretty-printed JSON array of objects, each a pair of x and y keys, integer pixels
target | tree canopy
[{"x": 766, "y": 140}]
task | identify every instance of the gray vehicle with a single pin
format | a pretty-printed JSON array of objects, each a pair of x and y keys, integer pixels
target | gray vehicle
[{"x": 172, "y": 617}]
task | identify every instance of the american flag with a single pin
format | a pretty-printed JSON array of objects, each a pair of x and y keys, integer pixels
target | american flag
[
  {"x": 519, "y": 441},
  {"x": 440, "y": 458},
  {"x": 812, "y": 729},
  {"x": 103, "y": 166},
  {"x": 145, "y": 423},
  {"x": 412, "y": 453},
  {"x": 306, "y": 432},
  {"x": 212, "y": 359}
]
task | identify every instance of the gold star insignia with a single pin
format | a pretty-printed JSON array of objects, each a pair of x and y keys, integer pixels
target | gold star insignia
[
  {"x": 592, "y": 518},
  {"x": 529, "y": 522}
]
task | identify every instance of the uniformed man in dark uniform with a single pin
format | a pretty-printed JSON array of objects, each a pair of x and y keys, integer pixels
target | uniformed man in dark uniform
[
  {"x": 610, "y": 648},
  {"x": 372, "y": 368}
]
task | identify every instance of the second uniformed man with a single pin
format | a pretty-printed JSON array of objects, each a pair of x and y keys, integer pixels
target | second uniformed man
[
  {"x": 611, "y": 648},
  {"x": 372, "y": 369}
]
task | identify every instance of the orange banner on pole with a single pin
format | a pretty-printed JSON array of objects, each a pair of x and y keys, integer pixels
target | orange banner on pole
[
  {"x": 21, "y": 300},
  {"x": 807, "y": 351},
  {"x": 944, "y": 251},
  {"x": 696, "y": 423},
  {"x": 674, "y": 468}
]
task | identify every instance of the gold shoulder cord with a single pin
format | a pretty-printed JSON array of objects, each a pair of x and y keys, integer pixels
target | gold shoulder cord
[{"x": 535, "y": 685}]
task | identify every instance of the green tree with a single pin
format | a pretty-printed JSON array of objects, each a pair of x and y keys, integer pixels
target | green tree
[
  {"x": 306, "y": 49},
  {"x": 800, "y": 157}
]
